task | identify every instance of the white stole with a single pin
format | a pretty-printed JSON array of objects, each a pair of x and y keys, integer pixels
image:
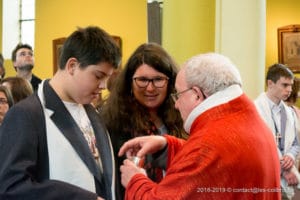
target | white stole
[{"x": 265, "y": 112}]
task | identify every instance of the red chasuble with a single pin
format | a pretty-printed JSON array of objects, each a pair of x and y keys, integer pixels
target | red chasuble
[{"x": 230, "y": 154}]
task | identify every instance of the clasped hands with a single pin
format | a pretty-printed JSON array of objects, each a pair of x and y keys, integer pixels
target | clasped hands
[
  {"x": 138, "y": 147},
  {"x": 287, "y": 163}
]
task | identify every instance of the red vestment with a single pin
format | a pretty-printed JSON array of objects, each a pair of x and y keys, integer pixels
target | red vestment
[{"x": 230, "y": 154}]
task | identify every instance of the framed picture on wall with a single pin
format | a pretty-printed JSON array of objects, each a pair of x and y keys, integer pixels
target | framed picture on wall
[
  {"x": 58, "y": 43},
  {"x": 289, "y": 46},
  {"x": 56, "y": 46}
]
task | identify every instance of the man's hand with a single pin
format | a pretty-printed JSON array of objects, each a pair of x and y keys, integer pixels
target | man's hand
[
  {"x": 99, "y": 198},
  {"x": 287, "y": 162},
  {"x": 128, "y": 170},
  {"x": 140, "y": 146},
  {"x": 290, "y": 178}
]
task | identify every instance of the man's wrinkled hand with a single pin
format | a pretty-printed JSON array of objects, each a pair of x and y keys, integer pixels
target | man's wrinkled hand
[{"x": 128, "y": 170}]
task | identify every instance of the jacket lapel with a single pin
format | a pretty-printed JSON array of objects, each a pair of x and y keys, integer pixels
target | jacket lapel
[
  {"x": 104, "y": 147},
  {"x": 68, "y": 127}
]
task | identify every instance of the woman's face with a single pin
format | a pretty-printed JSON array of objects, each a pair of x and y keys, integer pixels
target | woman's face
[
  {"x": 149, "y": 86},
  {"x": 3, "y": 106}
]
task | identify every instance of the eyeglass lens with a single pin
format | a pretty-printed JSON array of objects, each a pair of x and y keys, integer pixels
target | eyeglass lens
[
  {"x": 3, "y": 101},
  {"x": 158, "y": 82}
]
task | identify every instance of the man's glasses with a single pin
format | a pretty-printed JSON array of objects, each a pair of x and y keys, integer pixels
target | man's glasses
[
  {"x": 157, "y": 82},
  {"x": 175, "y": 96},
  {"x": 3, "y": 101}
]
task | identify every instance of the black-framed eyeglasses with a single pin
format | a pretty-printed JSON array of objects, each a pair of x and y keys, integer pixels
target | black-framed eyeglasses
[
  {"x": 175, "y": 96},
  {"x": 157, "y": 82},
  {"x": 3, "y": 101}
]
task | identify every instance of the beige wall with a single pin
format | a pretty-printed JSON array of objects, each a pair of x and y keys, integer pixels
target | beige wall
[{"x": 188, "y": 27}]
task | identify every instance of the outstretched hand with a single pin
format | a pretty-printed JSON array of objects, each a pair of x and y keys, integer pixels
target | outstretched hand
[{"x": 140, "y": 146}]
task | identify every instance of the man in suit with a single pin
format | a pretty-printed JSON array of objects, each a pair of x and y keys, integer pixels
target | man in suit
[
  {"x": 53, "y": 144},
  {"x": 23, "y": 61}
]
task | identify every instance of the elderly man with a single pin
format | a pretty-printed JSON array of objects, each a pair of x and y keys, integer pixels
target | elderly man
[{"x": 230, "y": 153}]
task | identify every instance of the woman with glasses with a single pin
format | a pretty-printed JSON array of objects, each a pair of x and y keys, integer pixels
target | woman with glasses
[
  {"x": 6, "y": 101},
  {"x": 140, "y": 103}
]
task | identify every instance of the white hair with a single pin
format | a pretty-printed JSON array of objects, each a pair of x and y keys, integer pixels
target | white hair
[{"x": 211, "y": 72}]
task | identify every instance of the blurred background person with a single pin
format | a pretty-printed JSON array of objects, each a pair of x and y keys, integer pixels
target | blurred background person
[
  {"x": 292, "y": 99},
  {"x": 19, "y": 87},
  {"x": 2, "y": 68},
  {"x": 23, "y": 61},
  {"x": 6, "y": 101},
  {"x": 140, "y": 103}
]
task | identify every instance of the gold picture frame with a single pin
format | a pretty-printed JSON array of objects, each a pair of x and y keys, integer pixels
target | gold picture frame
[
  {"x": 289, "y": 46},
  {"x": 56, "y": 46}
]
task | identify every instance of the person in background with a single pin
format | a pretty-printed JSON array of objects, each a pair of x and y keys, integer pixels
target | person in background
[
  {"x": 53, "y": 143},
  {"x": 6, "y": 101},
  {"x": 23, "y": 62},
  {"x": 282, "y": 121},
  {"x": 292, "y": 99},
  {"x": 230, "y": 152},
  {"x": 18, "y": 86},
  {"x": 2, "y": 68},
  {"x": 140, "y": 103},
  {"x": 291, "y": 102}
]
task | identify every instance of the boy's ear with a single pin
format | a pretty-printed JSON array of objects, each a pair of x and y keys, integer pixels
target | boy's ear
[
  {"x": 270, "y": 83},
  {"x": 71, "y": 65}
]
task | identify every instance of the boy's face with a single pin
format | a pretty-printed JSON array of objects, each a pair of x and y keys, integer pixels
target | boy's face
[
  {"x": 86, "y": 84},
  {"x": 282, "y": 89}
]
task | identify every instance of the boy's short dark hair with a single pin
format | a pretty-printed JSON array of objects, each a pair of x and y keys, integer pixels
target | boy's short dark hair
[
  {"x": 90, "y": 46},
  {"x": 278, "y": 70},
  {"x": 19, "y": 46}
]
